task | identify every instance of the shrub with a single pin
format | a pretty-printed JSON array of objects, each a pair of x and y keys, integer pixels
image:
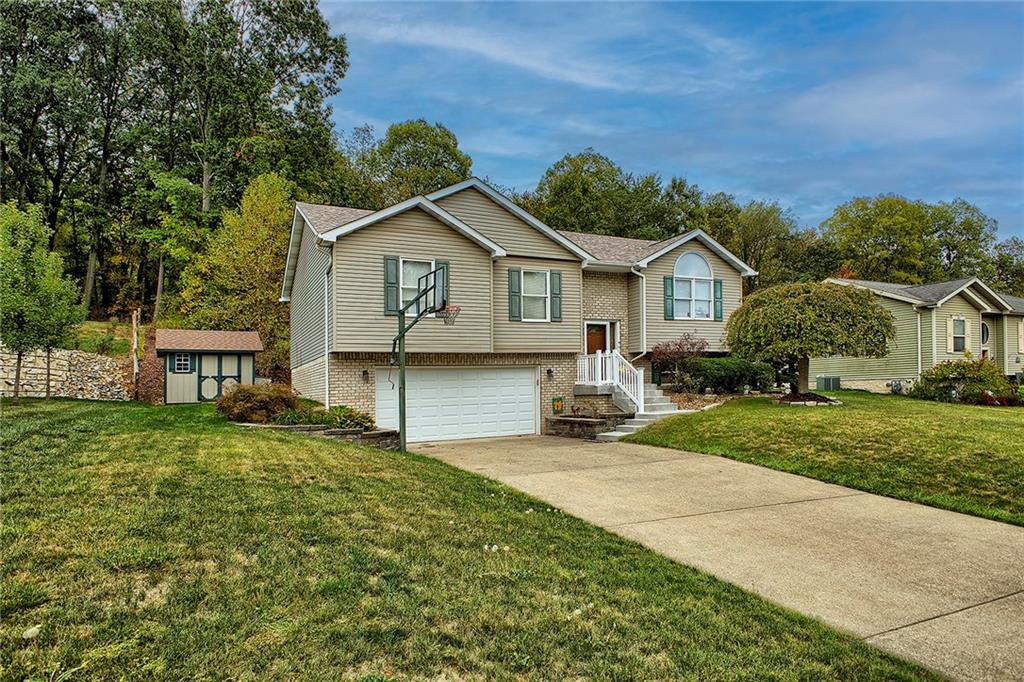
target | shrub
[
  {"x": 730, "y": 374},
  {"x": 979, "y": 382},
  {"x": 678, "y": 355},
  {"x": 257, "y": 404},
  {"x": 339, "y": 417}
]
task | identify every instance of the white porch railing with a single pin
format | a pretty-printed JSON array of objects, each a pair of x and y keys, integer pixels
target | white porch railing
[{"x": 602, "y": 369}]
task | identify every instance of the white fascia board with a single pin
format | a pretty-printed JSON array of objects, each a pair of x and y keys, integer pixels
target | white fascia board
[
  {"x": 407, "y": 205},
  {"x": 726, "y": 255},
  {"x": 293, "y": 254},
  {"x": 886, "y": 294},
  {"x": 504, "y": 202},
  {"x": 985, "y": 287}
]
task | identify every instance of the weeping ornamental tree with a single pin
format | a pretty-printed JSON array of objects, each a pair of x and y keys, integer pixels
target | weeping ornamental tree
[{"x": 792, "y": 323}]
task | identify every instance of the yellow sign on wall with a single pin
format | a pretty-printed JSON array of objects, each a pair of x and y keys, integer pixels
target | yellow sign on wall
[{"x": 558, "y": 404}]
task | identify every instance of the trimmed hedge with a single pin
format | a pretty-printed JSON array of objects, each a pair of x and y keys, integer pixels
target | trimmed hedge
[
  {"x": 727, "y": 375},
  {"x": 257, "y": 403},
  {"x": 978, "y": 382}
]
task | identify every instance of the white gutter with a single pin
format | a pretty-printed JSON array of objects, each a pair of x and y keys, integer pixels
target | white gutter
[{"x": 643, "y": 314}]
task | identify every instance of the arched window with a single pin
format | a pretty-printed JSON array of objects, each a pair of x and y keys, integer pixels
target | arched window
[{"x": 692, "y": 287}]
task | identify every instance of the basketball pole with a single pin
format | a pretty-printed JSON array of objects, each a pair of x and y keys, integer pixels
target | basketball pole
[{"x": 399, "y": 339}]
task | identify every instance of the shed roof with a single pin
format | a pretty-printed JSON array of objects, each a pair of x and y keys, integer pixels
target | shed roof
[{"x": 207, "y": 339}]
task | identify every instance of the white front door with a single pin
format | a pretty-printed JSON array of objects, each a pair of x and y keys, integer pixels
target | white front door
[{"x": 449, "y": 403}]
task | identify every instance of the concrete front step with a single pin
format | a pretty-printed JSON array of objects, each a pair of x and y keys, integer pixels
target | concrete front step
[{"x": 610, "y": 436}]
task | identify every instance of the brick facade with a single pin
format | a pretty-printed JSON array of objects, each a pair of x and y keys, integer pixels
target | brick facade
[
  {"x": 348, "y": 387},
  {"x": 605, "y": 297}
]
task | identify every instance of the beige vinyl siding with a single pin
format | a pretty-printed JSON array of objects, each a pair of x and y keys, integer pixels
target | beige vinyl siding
[
  {"x": 958, "y": 306},
  {"x": 995, "y": 347},
  {"x": 539, "y": 337},
  {"x": 180, "y": 388},
  {"x": 515, "y": 236},
  {"x": 308, "y": 379},
  {"x": 899, "y": 363},
  {"x": 307, "y": 300},
  {"x": 635, "y": 341},
  {"x": 361, "y": 324},
  {"x": 659, "y": 329},
  {"x": 1014, "y": 344}
]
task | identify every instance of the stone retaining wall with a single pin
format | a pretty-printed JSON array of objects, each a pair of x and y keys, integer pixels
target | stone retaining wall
[{"x": 73, "y": 374}]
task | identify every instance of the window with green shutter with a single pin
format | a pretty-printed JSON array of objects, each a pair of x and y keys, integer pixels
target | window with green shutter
[
  {"x": 515, "y": 294},
  {"x": 556, "y": 296},
  {"x": 718, "y": 300},
  {"x": 669, "y": 297},
  {"x": 391, "y": 295}
]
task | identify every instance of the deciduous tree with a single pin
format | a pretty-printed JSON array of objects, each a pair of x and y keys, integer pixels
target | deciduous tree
[{"x": 791, "y": 323}]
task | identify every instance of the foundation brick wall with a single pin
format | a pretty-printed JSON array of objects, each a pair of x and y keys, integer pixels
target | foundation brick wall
[
  {"x": 349, "y": 388},
  {"x": 605, "y": 298}
]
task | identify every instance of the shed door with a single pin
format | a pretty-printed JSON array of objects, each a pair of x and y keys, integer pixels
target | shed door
[
  {"x": 447, "y": 403},
  {"x": 208, "y": 377}
]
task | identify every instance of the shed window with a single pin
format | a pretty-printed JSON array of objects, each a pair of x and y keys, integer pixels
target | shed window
[
  {"x": 959, "y": 336},
  {"x": 692, "y": 287},
  {"x": 182, "y": 363}
]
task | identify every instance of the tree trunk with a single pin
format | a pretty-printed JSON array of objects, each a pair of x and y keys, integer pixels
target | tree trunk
[
  {"x": 803, "y": 375},
  {"x": 207, "y": 174},
  {"x": 90, "y": 277},
  {"x": 17, "y": 378},
  {"x": 47, "y": 373},
  {"x": 159, "y": 288}
]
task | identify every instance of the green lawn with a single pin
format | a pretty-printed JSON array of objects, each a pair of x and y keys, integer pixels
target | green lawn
[
  {"x": 965, "y": 458},
  {"x": 162, "y": 542}
]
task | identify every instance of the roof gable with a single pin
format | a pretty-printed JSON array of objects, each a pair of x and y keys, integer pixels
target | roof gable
[
  {"x": 662, "y": 248},
  {"x": 510, "y": 207},
  {"x": 936, "y": 293}
]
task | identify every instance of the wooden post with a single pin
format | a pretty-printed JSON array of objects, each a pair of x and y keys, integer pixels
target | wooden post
[{"x": 136, "y": 316}]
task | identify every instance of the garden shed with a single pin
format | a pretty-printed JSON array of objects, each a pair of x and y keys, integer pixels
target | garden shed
[{"x": 199, "y": 365}]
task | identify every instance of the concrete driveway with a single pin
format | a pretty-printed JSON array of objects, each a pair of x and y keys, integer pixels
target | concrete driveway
[{"x": 940, "y": 588}]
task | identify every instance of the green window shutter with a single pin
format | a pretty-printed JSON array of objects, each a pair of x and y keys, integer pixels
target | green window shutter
[
  {"x": 669, "y": 298},
  {"x": 441, "y": 291},
  {"x": 391, "y": 296},
  {"x": 718, "y": 300},
  {"x": 515, "y": 294},
  {"x": 191, "y": 363},
  {"x": 556, "y": 296}
]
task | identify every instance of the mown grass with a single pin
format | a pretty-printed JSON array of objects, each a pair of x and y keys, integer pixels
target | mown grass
[
  {"x": 965, "y": 458},
  {"x": 162, "y": 542}
]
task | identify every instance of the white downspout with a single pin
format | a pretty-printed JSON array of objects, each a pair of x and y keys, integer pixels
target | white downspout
[
  {"x": 327, "y": 338},
  {"x": 643, "y": 314},
  {"x": 918, "y": 311}
]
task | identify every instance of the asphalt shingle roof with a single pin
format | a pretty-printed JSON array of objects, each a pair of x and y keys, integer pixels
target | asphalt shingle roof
[
  {"x": 207, "y": 339},
  {"x": 608, "y": 248},
  {"x": 323, "y": 218}
]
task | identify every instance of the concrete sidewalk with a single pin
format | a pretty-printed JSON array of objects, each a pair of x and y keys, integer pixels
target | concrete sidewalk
[{"x": 941, "y": 588}]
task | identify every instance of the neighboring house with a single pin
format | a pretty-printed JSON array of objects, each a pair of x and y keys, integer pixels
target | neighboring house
[
  {"x": 934, "y": 323},
  {"x": 538, "y": 308},
  {"x": 199, "y": 365}
]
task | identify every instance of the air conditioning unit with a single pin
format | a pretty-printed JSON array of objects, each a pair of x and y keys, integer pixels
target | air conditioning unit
[{"x": 828, "y": 383}]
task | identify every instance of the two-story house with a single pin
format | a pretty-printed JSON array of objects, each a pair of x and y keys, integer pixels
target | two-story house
[{"x": 543, "y": 313}]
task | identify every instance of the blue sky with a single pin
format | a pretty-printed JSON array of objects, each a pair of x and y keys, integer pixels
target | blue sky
[{"x": 809, "y": 104}]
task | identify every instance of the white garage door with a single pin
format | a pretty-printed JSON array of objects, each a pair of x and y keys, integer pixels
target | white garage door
[{"x": 447, "y": 403}]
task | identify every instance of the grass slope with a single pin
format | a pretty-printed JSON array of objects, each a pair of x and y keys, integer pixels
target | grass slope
[
  {"x": 163, "y": 542},
  {"x": 965, "y": 458}
]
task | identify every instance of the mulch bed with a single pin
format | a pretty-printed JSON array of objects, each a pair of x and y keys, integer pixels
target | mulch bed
[{"x": 804, "y": 398}]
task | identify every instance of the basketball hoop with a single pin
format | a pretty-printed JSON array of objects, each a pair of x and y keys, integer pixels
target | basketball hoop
[{"x": 448, "y": 314}]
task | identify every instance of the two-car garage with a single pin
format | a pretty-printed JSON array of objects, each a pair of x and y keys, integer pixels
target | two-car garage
[{"x": 449, "y": 403}]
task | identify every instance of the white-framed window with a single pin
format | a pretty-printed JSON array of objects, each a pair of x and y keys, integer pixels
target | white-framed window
[
  {"x": 693, "y": 288},
  {"x": 536, "y": 296},
  {"x": 959, "y": 335},
  {"x": 984, "y": 333},
  {"x": 408, "y": 281},
  {"x": 182, "y": 363}
]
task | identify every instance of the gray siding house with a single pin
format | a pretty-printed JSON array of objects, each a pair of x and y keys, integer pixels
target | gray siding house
[{"x": 542, "y": 309}]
